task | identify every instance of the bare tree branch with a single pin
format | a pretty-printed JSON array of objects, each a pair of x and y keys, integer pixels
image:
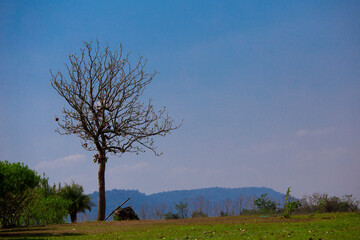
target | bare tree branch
[{"x": 103, "y": 91}]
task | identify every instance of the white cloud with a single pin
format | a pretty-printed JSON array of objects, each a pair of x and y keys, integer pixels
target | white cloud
[
  {"x": 315, "y": 132},
  {"x": 64, "y": 162}
]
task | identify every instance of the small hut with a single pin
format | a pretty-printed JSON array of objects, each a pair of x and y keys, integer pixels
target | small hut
[{"x": 125, "y": 214}]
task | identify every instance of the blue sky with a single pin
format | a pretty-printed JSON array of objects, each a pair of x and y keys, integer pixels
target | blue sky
[{"x": 269, "y": 91}]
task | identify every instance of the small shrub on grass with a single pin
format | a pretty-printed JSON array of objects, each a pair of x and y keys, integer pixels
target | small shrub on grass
[
  {"x": 224, "y": 214},
  {"x": 198, "y": 214},
  {"x": 248, "y": 212},
  {"x": 324, "y": 203},
  {"x": 170, "y": 215},
  {"x": 265, "y": 204},
  {"x": 182, "y": 209},
  {"x": 289, "y": 206}
]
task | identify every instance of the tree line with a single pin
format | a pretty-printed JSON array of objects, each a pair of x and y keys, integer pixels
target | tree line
[
  {"x": 196, "y": 207},
  {"x": 246, "y": 205},
  {"x": 27, "y": 199}
]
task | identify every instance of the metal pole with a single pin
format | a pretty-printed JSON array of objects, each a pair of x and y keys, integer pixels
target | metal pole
[{"x": 117, "y": 208}]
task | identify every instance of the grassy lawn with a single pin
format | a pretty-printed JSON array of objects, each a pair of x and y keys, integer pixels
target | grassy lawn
[{"x": 314, "y": 227}]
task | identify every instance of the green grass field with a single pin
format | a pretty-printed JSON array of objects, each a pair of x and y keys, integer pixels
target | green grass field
[{"x": 318, "y": 226}]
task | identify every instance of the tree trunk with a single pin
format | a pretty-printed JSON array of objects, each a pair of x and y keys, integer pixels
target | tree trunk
[
  {"x": 73, "y": 217},
  {"x": 101, "y": 178}
]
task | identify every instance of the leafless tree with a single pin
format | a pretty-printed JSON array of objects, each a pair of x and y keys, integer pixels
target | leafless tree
[
  {"x": 216, "y": 209},
  {"x": 159, "y": 210},
  {"x": 201, "y": 205},
  {"x": 227, "y": 206},
  {"x": 239, "y": 204},
  {"x": 249, "y": 202},
  {"x": 144, "y": 211},
  {"x": 103, "y": 91}
]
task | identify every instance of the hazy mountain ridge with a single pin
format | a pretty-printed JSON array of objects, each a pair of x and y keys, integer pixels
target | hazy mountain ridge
[
  {"x": 215, "y": 193},
  {"x": 215, "y": 196}
]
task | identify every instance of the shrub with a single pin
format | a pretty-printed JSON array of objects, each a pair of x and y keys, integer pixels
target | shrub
[
  {"x": 351, "y": 203},
  {"x": 264, "y": 204},
  {"x": 46, "y": 210},
  {"x": 171, "y": 215},
  {"x": 224, "y": 214},
  {"x": 16, "y": 191},
  {"x": 182, "y": 209},
  {"x": 289, "y": 206},
  {"x": 27, "y": 199},
  {"x": 323, "y": 203},
  {"x": 248, "y": 211},
  {"x": 198, "y": 214},
  {"x": 47, "y": 207}
]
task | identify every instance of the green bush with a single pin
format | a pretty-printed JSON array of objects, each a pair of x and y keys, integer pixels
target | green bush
[
  {"x": 289, "y": 206},
  {"x": 46, "y": 210},
  {"x": 47, "y": 207},
  {"x": 17, "y": 182},
  {"x": 26, "y": 199},
  {"x": 264, "y": 204}
]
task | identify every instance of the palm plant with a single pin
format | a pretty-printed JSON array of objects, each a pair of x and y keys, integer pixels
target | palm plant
[{"x": 79, "y": 201}]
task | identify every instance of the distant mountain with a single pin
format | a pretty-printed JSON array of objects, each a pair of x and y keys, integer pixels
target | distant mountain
[{"x": 212, "y": 201}]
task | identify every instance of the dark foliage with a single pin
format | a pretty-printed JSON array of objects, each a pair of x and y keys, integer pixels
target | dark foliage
[
  {"x": 323, "y": 203},
  {"x": 265, "y": 204},
  {"x": 170, "y": 215},
  {"x": 16, "y": 191},
  {"x": 198, "y": 214}
]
